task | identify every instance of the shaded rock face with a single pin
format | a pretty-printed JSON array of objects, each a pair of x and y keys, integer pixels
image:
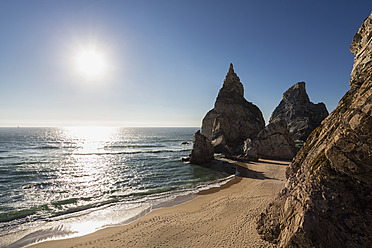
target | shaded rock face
[
  {"x": 327, "y": 201},
  {"x": 202, "y": 150},
  {"x": 301, "y": 115},
  {"x": 233, "y": 119},
  {"x": 274, "y": 142},
  {"x": 249, "y": 150}
]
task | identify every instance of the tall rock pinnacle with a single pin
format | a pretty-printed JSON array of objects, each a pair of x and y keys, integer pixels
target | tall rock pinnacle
[{"x": 233, "y": 119}]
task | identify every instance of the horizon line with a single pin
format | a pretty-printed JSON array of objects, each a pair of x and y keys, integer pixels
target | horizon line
[{"x": 96, "y": 126}]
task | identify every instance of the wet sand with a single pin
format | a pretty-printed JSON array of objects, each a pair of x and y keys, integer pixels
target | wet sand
[{"x": 219, "y": 217}]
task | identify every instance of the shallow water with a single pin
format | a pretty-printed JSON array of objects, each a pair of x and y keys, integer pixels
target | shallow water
[{"x": 58, "y": 182}]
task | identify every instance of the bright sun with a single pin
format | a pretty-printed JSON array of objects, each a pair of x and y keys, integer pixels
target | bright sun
[{"x": 91, "y": 63}]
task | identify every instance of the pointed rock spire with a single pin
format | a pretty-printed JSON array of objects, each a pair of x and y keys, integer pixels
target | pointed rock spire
[
  {"x": 233, "y": 119},
  {"x": 231, "y": 69},
  {"x": 232, "y": 82},
  {"x": 297, "y": 94}
]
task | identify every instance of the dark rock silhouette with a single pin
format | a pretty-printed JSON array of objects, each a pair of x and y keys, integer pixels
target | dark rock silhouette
[
  {"x": 202, "y": 151},
  {"x": 301, "y": 115},
  {"x": 327, "y": 201},
  {"x": 233, "y": 119}
]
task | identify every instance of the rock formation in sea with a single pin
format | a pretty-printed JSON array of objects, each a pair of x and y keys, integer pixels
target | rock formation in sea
[
  {"x": 274, "y": 142},
  {"x": 301, "y": 115},
  {"x": 233, "y": 119},
  {"x": 327, "y": 201},
  {"x": 202, "y": 151}
]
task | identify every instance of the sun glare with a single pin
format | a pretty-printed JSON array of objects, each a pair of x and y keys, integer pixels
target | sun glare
[{"x": 91, "y": 63}]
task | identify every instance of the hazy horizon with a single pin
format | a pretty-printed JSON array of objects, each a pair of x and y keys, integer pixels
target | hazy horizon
[
  {"x": 95, "y": 125},
  {"x": 161, "y": 64}
]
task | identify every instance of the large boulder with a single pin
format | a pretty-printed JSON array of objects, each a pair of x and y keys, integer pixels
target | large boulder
[
  {"x": 327, "y": 201},
  {"x": 301, "y": 115},
  {"x": 233, "y": 119},
  {"x": 274, "y": 142},
  {"x": 202, "y": 150}
]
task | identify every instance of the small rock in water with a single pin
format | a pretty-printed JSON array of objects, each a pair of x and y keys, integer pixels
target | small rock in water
[
  {"x": 202, "y": 151},
  {"x": 185, "y": 159}
]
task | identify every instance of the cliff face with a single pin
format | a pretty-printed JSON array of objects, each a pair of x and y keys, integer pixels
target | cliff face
[
  {"x": 233, "y": 119},
  {"x": 301, "y": 115},
  {"x": 327, "y": 201}
]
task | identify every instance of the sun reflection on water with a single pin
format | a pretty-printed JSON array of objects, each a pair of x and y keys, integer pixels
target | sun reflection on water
[
  {"x": 91, "y": 140},
  {"x": 87, "y": 175}
]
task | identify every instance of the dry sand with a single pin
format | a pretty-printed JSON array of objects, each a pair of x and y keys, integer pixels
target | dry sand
[{"x": 220, "y": 217}]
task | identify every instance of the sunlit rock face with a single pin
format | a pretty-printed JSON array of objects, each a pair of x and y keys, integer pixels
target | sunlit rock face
[
  {"x": 274, "y": 142},
  {"x": 301, "y": 115},
  {"x": 327, "y": 201},
  {"x": 233, "y": 119}
]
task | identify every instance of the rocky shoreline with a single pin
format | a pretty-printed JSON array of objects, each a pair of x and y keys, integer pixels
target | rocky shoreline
[{"x": 327, "y": 200}]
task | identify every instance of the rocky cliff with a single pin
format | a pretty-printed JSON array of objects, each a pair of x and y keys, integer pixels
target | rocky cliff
[
  {"x": 301, "y": 115},
  {"x": 327, "y": 201},
  {"x": 233, "y": 119}
]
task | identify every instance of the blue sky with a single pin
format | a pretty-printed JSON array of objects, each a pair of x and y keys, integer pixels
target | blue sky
[{"x": 167, "y": 60}]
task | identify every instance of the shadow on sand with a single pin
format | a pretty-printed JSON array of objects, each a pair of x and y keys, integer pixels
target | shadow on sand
[
  {"x": 284, "y": 162},
  {"x": 239, "y": 168}
]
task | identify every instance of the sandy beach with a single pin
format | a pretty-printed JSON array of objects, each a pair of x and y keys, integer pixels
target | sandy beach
[{"x": 219, "y": 217}]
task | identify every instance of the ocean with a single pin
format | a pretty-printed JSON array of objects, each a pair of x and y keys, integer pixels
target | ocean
[{"x": 66, "y": 182}]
